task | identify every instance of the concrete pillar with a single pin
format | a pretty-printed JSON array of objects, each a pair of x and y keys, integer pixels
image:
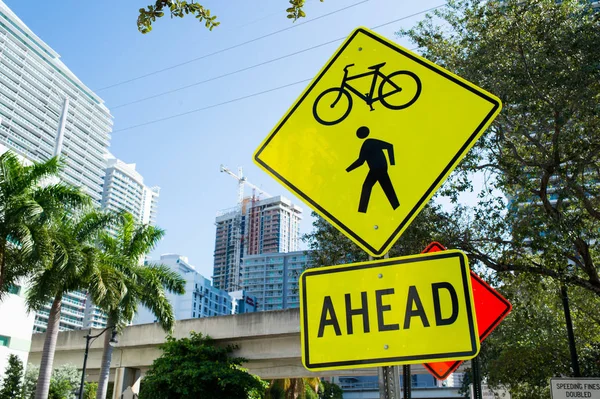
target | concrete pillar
[
  {"x": 137, "y": 379},
  {"x": 127, "y": 383}
]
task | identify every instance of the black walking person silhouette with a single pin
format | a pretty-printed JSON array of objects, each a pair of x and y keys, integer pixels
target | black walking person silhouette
[{"x": 372, "y": 152}]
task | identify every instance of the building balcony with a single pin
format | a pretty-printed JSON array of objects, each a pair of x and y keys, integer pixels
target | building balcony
[
  {"x": 71, "y": 322},
  {"x": 71, "y": 312},
  {"x": 42, "y": 325}
]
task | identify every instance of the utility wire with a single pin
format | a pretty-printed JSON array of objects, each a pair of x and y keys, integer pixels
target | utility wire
[
  {"x": 224, "y": 75},
  {"x": 263, "y": 63},
  {"x": 230, "y": 48},
  {"x": 211, "y": 106}
]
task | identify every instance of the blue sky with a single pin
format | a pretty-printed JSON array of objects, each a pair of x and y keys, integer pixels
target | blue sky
[{"x": 102, "y": 46}]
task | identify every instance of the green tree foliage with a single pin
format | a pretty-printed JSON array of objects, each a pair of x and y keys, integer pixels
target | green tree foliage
[
  {"x": 331, "y": 391},
  {"x": 11, "y": 384},
  {"x": 309, "y": 392},
  {"x": 30, "y": 381},
  {"x": 64, "y": 382},
  {"x": 543, "y": 151},
  {"x": 531, "y": 346},
  {"x": 181, "y": 8},
  {"x": 28, "y": 199},
  {"x": 90, "y": 389},
  {"x": 195, "y": 367}
]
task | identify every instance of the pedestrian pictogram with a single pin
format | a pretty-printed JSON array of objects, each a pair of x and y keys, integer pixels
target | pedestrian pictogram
[
  {"x": 372, "y": 152},
  {"x": 373, "y": 136},
  {"x": 490, "y": 309},
  {"x": 392, "y": 311}
]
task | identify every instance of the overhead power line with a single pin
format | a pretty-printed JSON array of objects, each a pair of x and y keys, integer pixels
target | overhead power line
[
  {"x": 262, "y": 63},
  {"x": 231, "y": 47},
  {"x": 211, "y": 106},
  {"x": 224, "y": 75}
]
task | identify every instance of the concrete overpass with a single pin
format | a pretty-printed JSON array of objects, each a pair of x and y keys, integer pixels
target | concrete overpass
[{"x": 270, "y": 341}]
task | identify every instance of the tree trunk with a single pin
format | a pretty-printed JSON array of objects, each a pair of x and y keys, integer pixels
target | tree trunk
[
  {"x": 105, "y": 365},
  {"x": 43, "y": 383}
]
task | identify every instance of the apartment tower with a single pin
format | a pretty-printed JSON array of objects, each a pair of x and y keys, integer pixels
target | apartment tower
[
  {"x": 45, "y": 110},
  {"x": 270, "y": 225}
]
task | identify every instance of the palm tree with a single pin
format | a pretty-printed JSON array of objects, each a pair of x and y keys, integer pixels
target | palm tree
[
  {"x": 75, "y": 266},
  {"x": 29, "y": 196},
  {"x": 145, "y": 285}
]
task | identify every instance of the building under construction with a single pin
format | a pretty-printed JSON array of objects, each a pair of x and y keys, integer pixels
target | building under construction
[{"x": 255, "y": 226}]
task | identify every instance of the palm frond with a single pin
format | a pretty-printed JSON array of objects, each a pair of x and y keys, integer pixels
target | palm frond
[
  {"x": 54, "y": 199},
  {"x": 143, "y": 240},
  {"x": 38, "y": 173},
  {"x": 93, "y": 223},
  {"x": 169, "y": 279}
]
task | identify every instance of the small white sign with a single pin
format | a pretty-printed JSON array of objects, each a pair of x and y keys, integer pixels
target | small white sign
[
  {"x": 488, "y": 393},
  {"x": 569, "y": 388}
]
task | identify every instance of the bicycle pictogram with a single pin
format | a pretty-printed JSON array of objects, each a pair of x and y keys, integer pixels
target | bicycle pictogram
[{"x": 398, "y": 90}]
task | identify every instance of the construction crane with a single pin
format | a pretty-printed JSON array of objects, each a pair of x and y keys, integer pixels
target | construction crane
[
  {"x": 242, "y": 181},
  {"x": 239, "y": 233}
]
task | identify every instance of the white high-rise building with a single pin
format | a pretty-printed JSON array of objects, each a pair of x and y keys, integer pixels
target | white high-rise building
[
  {"x": 124, "y": 190},
  {"x": 45, "y": 110}
]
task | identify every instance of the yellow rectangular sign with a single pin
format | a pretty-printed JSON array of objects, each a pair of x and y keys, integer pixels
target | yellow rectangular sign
[{"x": 405, "y": 310}]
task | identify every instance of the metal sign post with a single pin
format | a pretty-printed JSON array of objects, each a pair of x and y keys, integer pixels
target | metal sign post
[
  {"x": 407, "y": 380},
  {"x": 389, "y": 382},
  {"x": 476, "y": 374}
]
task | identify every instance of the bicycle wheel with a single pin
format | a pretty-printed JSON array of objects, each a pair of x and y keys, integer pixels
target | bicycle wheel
[
  {"x": 332, "y": 106},
  {"x": 400, "y": 90}
]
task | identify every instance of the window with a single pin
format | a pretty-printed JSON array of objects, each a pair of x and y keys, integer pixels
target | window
[{"x": 4, "y": 341}]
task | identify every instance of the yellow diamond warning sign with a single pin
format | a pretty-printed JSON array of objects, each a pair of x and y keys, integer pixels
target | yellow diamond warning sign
[
  {"x": 392, "y": 311},
  {"x": 373, "y": 137}
]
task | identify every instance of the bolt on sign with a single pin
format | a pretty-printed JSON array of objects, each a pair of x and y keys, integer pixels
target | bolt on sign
[
  {"x": 392, "y": 311},
  {"x": 373, "y": 136}
]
